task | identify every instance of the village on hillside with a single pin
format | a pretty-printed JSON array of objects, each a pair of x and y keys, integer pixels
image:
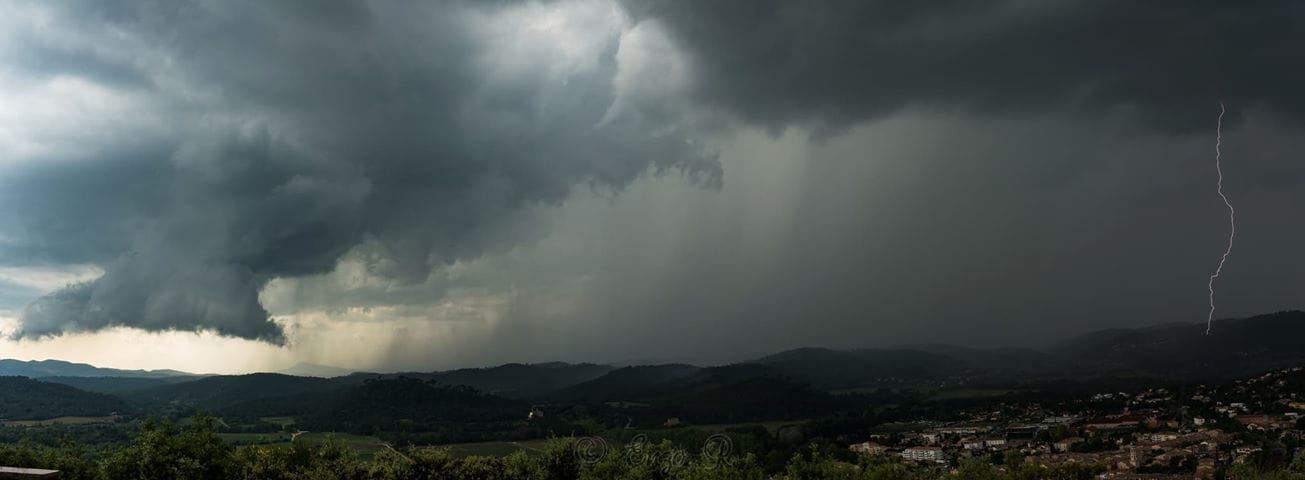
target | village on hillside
[{"x": 1153, "y": 432}]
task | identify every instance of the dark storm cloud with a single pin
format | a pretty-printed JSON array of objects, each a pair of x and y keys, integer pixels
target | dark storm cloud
[
  {"x": 292, "y": 133},
  {"x": 834, "y": 62}
]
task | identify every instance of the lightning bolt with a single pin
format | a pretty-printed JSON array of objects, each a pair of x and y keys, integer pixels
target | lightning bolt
[{"x": 1232, "y": 217}]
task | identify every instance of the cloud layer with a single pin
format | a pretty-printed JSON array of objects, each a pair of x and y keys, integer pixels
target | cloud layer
[
  {"x": 253, "y": 141},
  {"x": 835, "y": 62},
  {"x": 405, "y": 185}
]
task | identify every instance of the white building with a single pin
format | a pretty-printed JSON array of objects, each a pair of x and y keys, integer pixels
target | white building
[{"x": 927, "y": 454}]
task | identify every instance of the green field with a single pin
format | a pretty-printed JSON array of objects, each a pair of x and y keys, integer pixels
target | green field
[
  {"x": 360, "y": 443},
  {"x": 255, "y": 438},
  {"x": 368, "y": 445},
  {"x": 495, "y": 449},
  {"x": 60, "y": 421},
  {"x": 364, "y": 445},
  {"x": 282, "y": 421}
]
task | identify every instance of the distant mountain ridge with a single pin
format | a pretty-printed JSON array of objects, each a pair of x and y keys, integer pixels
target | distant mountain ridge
[
  {"x": 60, "y": 368},
  {"x": 832, "y": 369},
  {"x": 516, "y": 380},
  {"x": 1234, "y": 348},
  {"x": 114, "y": 385},
  {"x": 1238, "y": 347},
  {"x": 625, "y": 382},
  {"x": 315, "y": 370}
]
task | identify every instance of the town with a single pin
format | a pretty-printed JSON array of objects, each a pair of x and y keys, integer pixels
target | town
[{"x": 1154, "y": 431}]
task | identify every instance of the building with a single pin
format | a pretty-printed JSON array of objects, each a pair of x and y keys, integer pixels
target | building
[
  {"x": 958, "y": 430},
  {"x": 1137, "y": 456},
  {"x": 1060, "y": 420},
  {"x": 1158, "y": 437},
  {"x": 924, "y": 454},
  {"x": 1065, "y": 444},
  {"x": 1205, "y": 468},
  {"x": 1258, "y": 422},
  {"x": 1115, "y": 423},
  {"x": 867, "y": 447}
]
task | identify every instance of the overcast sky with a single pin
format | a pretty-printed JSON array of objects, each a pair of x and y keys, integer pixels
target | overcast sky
[{"x": 225, "y": 186}]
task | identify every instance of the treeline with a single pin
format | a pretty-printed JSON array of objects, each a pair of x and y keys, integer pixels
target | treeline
[{"x": 163, "y": 451}]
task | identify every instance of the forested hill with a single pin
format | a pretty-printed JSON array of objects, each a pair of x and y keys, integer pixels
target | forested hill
[
  {"x": 22, "y": 398},
  {"x": 1234, "y": 348}
]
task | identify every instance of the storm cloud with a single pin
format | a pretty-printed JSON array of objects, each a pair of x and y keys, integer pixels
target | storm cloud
[
  {"x": 835, "y": 62},
  {"x": 256, "y": 141},
  {"x": 408, "y": 185}
]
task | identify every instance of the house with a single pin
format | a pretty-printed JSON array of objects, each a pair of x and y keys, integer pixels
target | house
[
  {"x": 994, "y": 442},
  {"x": 1258, "y": 422},
  {"x": 1016, "y": 443},
  {"x": 971, "y": 443},
  {"x": 1065, "y": 444},
  {"x": 924, "y": 454},
  {"x": 1060, "y": 420},
  {"x": 1115, "y": 423},
  {"x": 867, "y": 447},
  {"x": 1205, "y": 468},
  {"x": 1162, "y": 436}
]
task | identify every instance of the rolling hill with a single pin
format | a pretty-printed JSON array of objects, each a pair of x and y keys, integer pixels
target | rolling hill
[
  {"x": 26, "y": 399},
  {"x": 1235, "y": 347},
  {"x": 626, "y": 383},
  {"x": 515, "y": 380},
  {"x": 1238, "y": 347},
  {"x": 255, "y": 394},
  {"x": 115, "y": 385},
  {"x": 832, "y": 369}
]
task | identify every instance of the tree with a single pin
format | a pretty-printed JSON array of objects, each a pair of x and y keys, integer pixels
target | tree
[{"x": 162, "y": 451}]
